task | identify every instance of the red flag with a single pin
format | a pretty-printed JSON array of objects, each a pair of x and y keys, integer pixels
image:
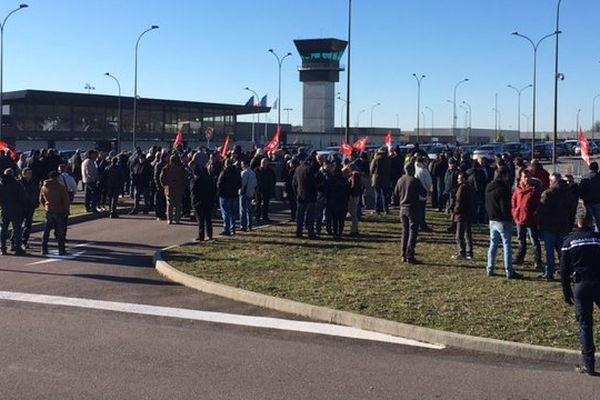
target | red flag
[
  {"x": 274, "y": 145},
  {"x": 388, "y": 140},
  {"x": 361, "y": 144},
  {"x": 584, "y": 145},
  {"x": 346, "y": 149},
  {"x": 4, "y": 146},
  {"x": 178, "y": 139},
  {"x": 225, "y": 148}
]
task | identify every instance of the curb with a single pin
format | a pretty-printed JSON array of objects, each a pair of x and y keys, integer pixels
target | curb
[{"x": 324, "y": 314}]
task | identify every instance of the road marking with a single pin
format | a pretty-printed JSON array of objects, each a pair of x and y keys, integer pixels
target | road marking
[
  {"x": 54, "y": 257},
  {"x": 216, "y": 317}
]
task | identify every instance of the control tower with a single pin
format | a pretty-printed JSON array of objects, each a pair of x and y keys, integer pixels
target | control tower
[{"x": 319, "y": 72}]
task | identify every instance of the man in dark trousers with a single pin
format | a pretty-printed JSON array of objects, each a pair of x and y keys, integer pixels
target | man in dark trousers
[
  {"x": 114, "y": 181},
  {"x": 204, "y": 192},
  {"x": 579, "y": 261},
  {"x": 266, "y": 188},
  {"x": 13, "y": 201},
  {"x": 55, "y": 200},
  {"x": 589, "y": 190},
  {"x": 464, "y": 210},
  {"x": 32, "y": 190},
  {"x": 408, "y": 189},
  {"x": 305, "y": 188}
]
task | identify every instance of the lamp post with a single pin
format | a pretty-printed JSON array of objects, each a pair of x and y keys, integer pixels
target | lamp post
[
  {"x": 342, "y": 110},
  {"x": 118, "y": 111},
  {"x": 470, "y": 121},
  {"x": 430, "y": 109},
  {"x": 466, "y": 115},
  {"x": 135, "y": 82},
  {"x": 557, "y": 77},
  {"x": 424, "y": 121},
  {"x": 535, "y": 48},
  {"x": 258, "y": 115},
  {"x": 594, "y": 114},
  {"x": 373, "y": 109},
  {"x": 358, "y": 117},
  {"x": 519, "y": 91},
  {"x": 419, "y": 80},
  {"x": 397, "y": 121},
  {"x": 279, "y": 62},
  {"x": 454, "y": 105},
  {"x": 499, "y": 120},
  {"x": 577, "y": 127},
  {"x": 21, "y": 6},
  {"x": 527, "y": 118},
  {"x": 347, "y": 131},
  {"x": 288, "y": 113}
]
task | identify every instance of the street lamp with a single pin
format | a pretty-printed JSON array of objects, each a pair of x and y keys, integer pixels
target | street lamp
[
  {"x": 347, "y": 131},
  {"x": 454, "y": 106},
  {"x": 279, "y": 62},
  {"x": 418, "y": 79},
  {"x": 288, "y": 114},
  {"x": 519, "y": 91},
  {"x": 577, "y": 130},
  {"x": 594, "y": 114},
  {"x": 258, "y": 115},
  {"x": 499, "y": 123},
  {"x": 527, "y": 118},
  {"x": 397, "y": 121},
  {"x": 21, "y": 6},
  {"x": 470, "y": 121},
  {"x": 430, "y": 109},
  {"x": 135, "y": 95},
  {"x": 118, "y": 111},
  {"x": 557, "y": 77},
  {"x": 373, "y": 109},
  {"x": 342, "y": 110},
  {"x": 358, "y": 117},
  {"x": 535, "y": 48},
  {"x": 466, "y": 114}
]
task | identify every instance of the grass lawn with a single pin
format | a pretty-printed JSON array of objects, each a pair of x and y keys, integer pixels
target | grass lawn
[
  {"x": 365, "y": 276},
  {"x": 40, "y": 213}
]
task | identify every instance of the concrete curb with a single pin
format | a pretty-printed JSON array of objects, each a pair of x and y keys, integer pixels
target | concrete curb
[{"x": 323, "y": 314}]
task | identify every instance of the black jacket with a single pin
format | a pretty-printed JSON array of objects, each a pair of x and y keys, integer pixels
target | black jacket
[
  {"x": 589, "y": 189},
  {"x": 266, "y": 181},
  {"x": 557, "y": 208},
  {"x": 203, "y": 188},
  {"x": 13, "y": 198},
  {"x": 338, "y": 191},
  {"x": 32, "y": 192},
  {"x": 113, "y": 178},
  {"x": 451, "y": 182},
  {"x": 305, "y": 184},
  {"x": 229, "y": 183},
  {"x": 579, "y": 254},
  {"x": 408, "y": 189},
  {"x": 141, "y": 173},
  {"x": 498, "y": 201}
]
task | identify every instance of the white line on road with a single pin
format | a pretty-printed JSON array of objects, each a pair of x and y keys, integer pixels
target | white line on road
[
  {"x": 54, "y": 257},
  {"x": 216, "y": 317}
]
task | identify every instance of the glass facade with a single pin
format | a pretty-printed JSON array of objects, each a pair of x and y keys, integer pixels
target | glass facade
[{"x": 151, "y": 119}]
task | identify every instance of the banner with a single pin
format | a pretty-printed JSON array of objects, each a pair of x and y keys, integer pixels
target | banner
[
  {"x": 361, "y": 144},
  {"x": 584, "y": 145},
  {"x": 225, "y": 148},
  {"x": 388, "y": 141},
  {"x": 346, "y": 149},
  {"x": 178, "y": 139},
  {"x": 274, "y": 145}
]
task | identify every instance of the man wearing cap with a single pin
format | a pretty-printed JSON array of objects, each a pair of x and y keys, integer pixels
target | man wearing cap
[
  {"x": 589, "y": 190},
  {"x": 13, "y": 200},
  {"x": 579, "y": 261}
]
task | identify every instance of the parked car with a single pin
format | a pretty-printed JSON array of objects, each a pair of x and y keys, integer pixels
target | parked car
[
  {"x": 515, "y": 149},
  {"x": 543, "y": 151},
  {"x": 489, "y": 151},
  {"x": 593, "y": 149},
  {"x": 570, "y": 146}
]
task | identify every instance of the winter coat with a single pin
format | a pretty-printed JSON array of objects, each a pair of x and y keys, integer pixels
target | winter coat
[
  {"x": 525, "y": 204},
  {"x": 173, "y": 179},
  {"x": 381, "y": 170},
  {"x": 229, "y": 183},
  {"x": 13, "y": 198},
  {"x": 408, "y": 189},
  {"x": 589, "y": 189},
  {"x": 556, "y": 209},
  {"x": 141, "y": 174},
  {"x": 305, "y": 184},
  {"x": 498, "y": 201},
  {"x": 464, "y": 206},
  {"x": 32, "y": 190},
  {"x": 542, "y": 175},
  {"x": 54, "y": 197},
  {"x": 114, "y": 178},
  {"x": 203, "y": 188},
  {"x": 266, "y": 181}
]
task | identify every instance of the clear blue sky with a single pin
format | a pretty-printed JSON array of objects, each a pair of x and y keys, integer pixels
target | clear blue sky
[{"x": 210, "y": 50}]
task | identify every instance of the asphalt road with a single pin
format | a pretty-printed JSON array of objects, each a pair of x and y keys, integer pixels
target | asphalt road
[{"x": 60, "y": 352}]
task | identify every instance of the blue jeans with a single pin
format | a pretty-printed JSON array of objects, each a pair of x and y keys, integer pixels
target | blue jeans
[
  {"x": 500, "y": 231},
  {"x": 228, "y": 209},
  {"x": 381, "y": 203},
  {"x": 552, "y": 242},
  {"x": 246, "y": 212},
  {"x": 596, "y": 211},
  {"x": 305, "y": 218}
]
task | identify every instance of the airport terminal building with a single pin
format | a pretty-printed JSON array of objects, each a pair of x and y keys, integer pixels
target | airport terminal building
[{"x": 40, "y": 119}]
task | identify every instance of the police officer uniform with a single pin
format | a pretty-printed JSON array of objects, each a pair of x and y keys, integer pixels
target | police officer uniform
[{"x": 579, "y": 260}]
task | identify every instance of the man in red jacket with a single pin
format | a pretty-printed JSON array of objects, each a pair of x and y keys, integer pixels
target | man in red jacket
[{"x": 525, "y": 202}]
